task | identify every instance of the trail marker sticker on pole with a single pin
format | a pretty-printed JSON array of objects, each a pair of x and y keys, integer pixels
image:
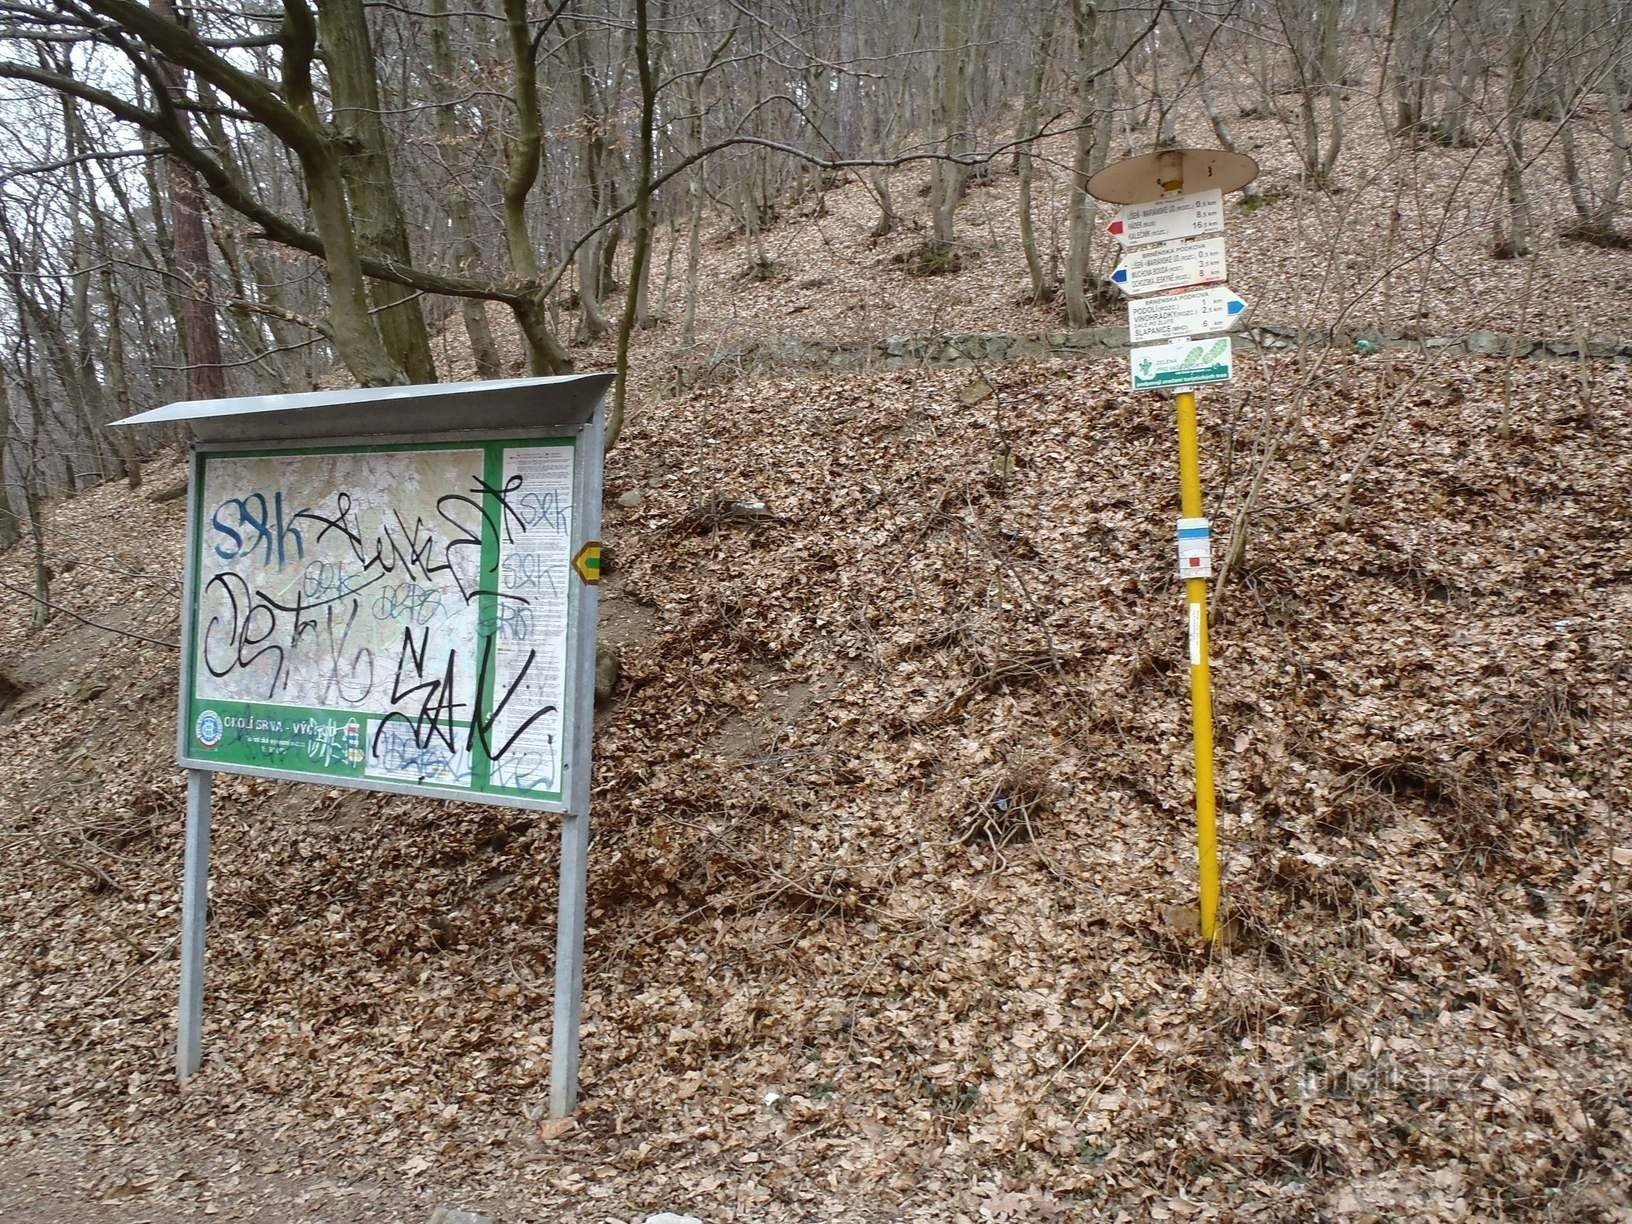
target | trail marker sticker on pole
[
  {"x": 1195, "y": 313},
  {"x": 1195, "y": 537},
  {"x": 1181, "y": 363},
  {"x": 1183, "y": 216},
  {"x": 1171, "y": 265}
]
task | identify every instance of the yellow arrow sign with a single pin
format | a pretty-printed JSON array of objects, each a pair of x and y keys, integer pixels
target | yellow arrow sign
[{"x": 588, "y": 562}]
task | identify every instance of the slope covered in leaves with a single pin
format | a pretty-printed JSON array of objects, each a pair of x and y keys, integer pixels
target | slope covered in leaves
[{"x": 888, "y": 909}]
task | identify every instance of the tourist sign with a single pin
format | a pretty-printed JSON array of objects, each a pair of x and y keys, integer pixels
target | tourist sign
[
  {"x": 1194, "y": 313},
  {"x": 1181, "y": 363},
  {"x": 1180, "y": 216},
  {"x": 1171, "y": 265}
]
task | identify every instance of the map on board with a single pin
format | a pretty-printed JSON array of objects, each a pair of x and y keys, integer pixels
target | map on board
[{"x": 393, "y": 616}]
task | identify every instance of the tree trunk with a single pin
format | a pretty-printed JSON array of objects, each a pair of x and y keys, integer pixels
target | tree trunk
[
  {"x": 1042, "y": 288},
  {"x": 545, "y": 354},
  {"x": 949, "y": 177},
  {"x": 1516, "y": 241},
  {"x": 1331, "y": 71},
  {"x": 588, "y": 261},
  {"x": 33, "y": 471},
  {"x": 1609, "y": 200},
  {"x": 1093, "y": 127},
  {"x": 376, "y": 210},
  {"x": 200, "y": 336},
  {"x": 849, "y": 130},
  {"x": 263, "y": 283},
  {"x": 356, "y": 339},
  {"x": 10, "y": 527},
  {"x": 643, "y": 221},
  {"x": 466, "y": 253}
]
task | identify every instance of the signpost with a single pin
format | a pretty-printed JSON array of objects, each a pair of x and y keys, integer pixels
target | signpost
[
  {"x": 394, "y": 589},
  {"x": 1180, "y": 216},
  {"x": 1160, "y": 226},
  {"x": 1171, "y": 265},
  {"x": 1181, "y": 363},
  {"x": 1196, "y": 313}
]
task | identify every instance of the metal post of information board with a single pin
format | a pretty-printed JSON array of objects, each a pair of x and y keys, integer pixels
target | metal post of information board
[
  {"x": 573, "y": 902},
  {"x": 569, "y": 964},
  {"x": 195, "y": 904},
  {"x": 1171, "y": 229}
]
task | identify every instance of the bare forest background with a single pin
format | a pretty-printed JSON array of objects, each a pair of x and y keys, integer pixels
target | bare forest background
[
  {"x": 890, "y": 894},
  {"x": 221, "y": 200}
]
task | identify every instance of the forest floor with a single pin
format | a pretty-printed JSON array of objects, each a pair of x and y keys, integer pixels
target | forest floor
[{"x": 890, "y": 886}]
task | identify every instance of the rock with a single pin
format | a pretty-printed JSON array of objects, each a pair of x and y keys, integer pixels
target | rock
[
  {"x": 10, "y": 690},
  {"x": 168, "y": 493},
  {"x": 554, "y": 1128},
  {"x": 668, "y": 1217},
  {"x": 976, "y": 391},
  {"x": 1485, "y": 344},
  {"x": 606, "y": 672},
  {"x": 89, "y": 689},
  {"x": 452, "y": 1215},
  {"x": 631, "y": 499}
]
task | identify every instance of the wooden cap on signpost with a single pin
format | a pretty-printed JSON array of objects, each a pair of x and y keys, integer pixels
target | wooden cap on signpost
[{"x": 1139, "y": 180}]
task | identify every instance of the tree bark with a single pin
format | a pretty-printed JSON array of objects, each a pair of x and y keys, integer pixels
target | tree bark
[
  {"x": 376, "y": 210},
  {"x": 1516, "y": 241},
  {"x": 200, "y": 334},
  {"x": 1042, "y": 286},
  {"x": 10, "y": 523},
  {"x": 643, "y": 222},
  {"x": 466, "y": 254},
  {"x": 355, "y": 336},
  {"x": 1092, "y": 140},
  {"x": 849, "y": 129},
  {"x": 1331, "y": 71},
  {"x": 949, "y": 177},
  {"x": 589, "y": 261}
]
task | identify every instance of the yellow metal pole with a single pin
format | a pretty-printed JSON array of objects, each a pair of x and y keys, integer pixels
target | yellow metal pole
[{"x": 1201, "y": 684}]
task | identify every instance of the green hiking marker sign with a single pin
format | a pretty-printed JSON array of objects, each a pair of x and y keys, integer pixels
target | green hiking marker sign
[{"x": 1181, "y": 363}]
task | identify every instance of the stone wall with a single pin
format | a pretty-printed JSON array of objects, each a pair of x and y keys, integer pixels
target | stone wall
[{"x": 993, "y": 348}]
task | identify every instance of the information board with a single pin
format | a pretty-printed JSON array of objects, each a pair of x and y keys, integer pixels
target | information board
[{"x": 398, "y": 617}]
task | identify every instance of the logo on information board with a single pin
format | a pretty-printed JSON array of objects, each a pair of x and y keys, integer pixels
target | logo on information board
[{"x": 207, "y": 729}]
